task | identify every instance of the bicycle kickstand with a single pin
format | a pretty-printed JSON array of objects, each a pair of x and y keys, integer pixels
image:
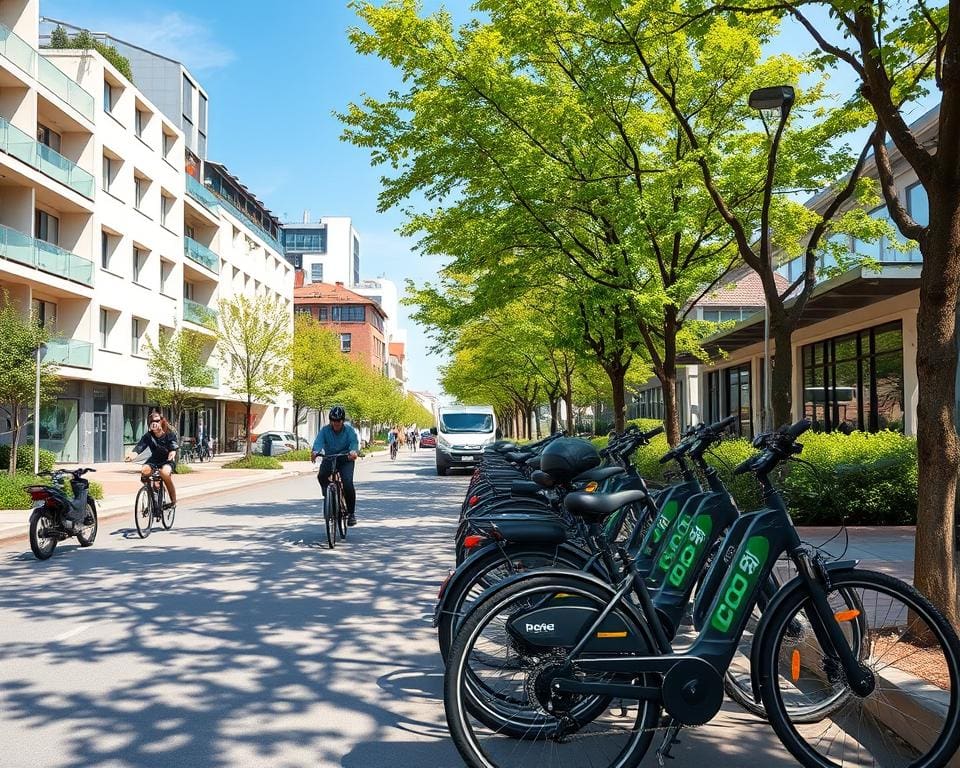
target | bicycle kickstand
[{"x": 669, "y": 739}]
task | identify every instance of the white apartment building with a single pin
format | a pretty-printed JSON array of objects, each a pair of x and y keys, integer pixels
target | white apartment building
[
  {"x": 327, "y": 250},
  {"x": 105, "y": 237}
]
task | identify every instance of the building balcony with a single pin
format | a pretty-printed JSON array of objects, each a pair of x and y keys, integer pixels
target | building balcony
[
  {"x": 18, "y": 144},
  {"x": 251, "y": 224},
  {"x": 194, "y": 312},
  {"x": 69, "y": 91},
  {"x": 201, "y": 254},
  {"x": 39, "y": 254},
  {"x": 18, "y": 51},
  {"x": 202, "y": 195},
  {"x": 71, "y": 352}
]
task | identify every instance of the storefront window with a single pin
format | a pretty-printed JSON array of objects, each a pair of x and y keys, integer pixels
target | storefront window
[
  {"x": 855, "y": 380},
  {"x": 58, "y": 430},
  {"x": 134, "y": 423},
  {"x": 728, "y": 393}
]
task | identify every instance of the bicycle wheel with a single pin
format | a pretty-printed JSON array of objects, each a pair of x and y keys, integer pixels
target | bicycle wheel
[
  {"x": 912, "y": 715},
  {"x": 143, "y": 512},
  {"x": 499, "y": 704},
  {"x": 342, "y": 517},
  {"x": 88, "y": 532},
  {"x": 330, "y": 512}
]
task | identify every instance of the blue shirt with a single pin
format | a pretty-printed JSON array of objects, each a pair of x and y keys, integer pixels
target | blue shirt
[{"x": 328, "y": 441}]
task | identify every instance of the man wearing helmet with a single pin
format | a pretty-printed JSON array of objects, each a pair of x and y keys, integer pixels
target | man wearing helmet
[{"x": 338, "y": 437}]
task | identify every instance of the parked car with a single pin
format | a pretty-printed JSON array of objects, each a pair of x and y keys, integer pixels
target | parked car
[
  {"x": 427, "y": 440},
  {"x": 303, "y": 444},
  {"x": 280, "y": 443}
]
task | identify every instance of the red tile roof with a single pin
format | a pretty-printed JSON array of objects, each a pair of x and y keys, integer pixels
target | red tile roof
[
  {"x": 745, "y": 292},
  {"x": 325, "y": 293},
  {"x": 397, "y": 349}
]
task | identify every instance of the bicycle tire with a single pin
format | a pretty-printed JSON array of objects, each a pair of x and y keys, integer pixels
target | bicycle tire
[
  {"x": 342, "y": 516},
  {"x": 889, "y": 699},
  {"x": 88, "y": 533},
  {"x": 527, "y": 728},
  {"x": 143, "y": 512},
  {"x": 41, "y": 522},
  {"x": 167, "y": 517},
  {"x": 330, "y": 512}
]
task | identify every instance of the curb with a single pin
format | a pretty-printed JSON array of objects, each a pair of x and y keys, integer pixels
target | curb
[{"x": 119, "y": 507}]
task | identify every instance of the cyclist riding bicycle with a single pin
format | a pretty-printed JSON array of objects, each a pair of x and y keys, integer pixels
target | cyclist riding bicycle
[
  {"x": 393, "y": 441},
  {"x": 163, "y": 444},
  {"x": 338, "y": 437}
]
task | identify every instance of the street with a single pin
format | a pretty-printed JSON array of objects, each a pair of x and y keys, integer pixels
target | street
[{"x": 239, "y": 639}]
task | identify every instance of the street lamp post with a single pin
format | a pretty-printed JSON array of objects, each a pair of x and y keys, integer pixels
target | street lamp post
[
  {"x": 777, "y": 98},
  {"x": 41, "y": 351}
]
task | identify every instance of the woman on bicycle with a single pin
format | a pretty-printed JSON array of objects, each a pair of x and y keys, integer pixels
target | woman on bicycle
[
  {"x": 163, "y": 444},
  {"x": 338, "y": 437}
]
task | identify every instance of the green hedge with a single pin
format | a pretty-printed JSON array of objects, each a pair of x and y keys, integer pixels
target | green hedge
[
  {"x": 25, "y": 458},
  {"x": 12, "y": 495},
  {"x": 254, "y": 462},
  {"x": 303, "y": 454},
  {"x": 182, "y": 469},
  {"x": 868, "y": 479}
]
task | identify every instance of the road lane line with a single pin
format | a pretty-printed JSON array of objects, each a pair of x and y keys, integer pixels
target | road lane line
[{"x": 72, "y": 633}]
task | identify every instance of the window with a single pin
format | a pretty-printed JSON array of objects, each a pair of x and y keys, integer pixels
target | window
[
  {"x": 723, "y": 315},
  {"x": 104, "y": 250},
  {"x": 140, "y": 121},
  {"x": 107, "y": 96},
  {"x": 917, "y": 204},
  {"x": 166, "y": 210},
  {"x": 356, "y": 260},
  {"x": 166, "y": 273},
  {"x": 140, "y": 187},
  {"x": 48, "y": 137},
  {"x": 323, "y": 313},
  {"x": 316, "y": 273},
  {"x": 187, "y": 99},
  {"x": 345, "y": 342},
  {"x": 201, "y": 145},
  {"x": 44, "y": 314},
  {"x": 350, "y": 313},
  {"x": 188, "y": 290},
  {"x": 109, "y": 172},
  {"x": 306, "y": 241},
  {"x": 303, "y": 311},
  {"x": 648, "y": 404},
  {"x": 105, "y": 325},
  {"x": 47, "y": 227},
  {"x": 139, "y": 259},
  {"x": 202, "y": 116},
  {"x": 729, "y": 393},
  {"x": 138, "y": 326},
  {"x": 169, "y": 142},
  {"x": 855, "y": 379},
  {"x": 376, "y": 320}
]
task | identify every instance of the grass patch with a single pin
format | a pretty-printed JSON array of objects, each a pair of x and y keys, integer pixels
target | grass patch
[
  {"x": 254, "y": 462},
  {"x": 303, "y": 454},
  {"x": 183, "y": 469},
  {"x": 12, "y": 495}
]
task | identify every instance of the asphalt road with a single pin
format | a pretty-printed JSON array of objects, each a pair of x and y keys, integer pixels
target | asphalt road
[{"x": 239, "y": 639}]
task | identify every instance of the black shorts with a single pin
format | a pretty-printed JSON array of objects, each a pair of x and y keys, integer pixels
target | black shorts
[{"x": 160, "y": 464}]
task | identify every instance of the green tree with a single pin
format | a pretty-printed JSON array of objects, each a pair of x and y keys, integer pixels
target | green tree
[
  {"x": 18, "y": 370},
  {"x": 177, "y": 371},
  {"x": 900, "y": 54},
  {"x": 254, "y": 344},
  {"x": 318, "y": 371}
]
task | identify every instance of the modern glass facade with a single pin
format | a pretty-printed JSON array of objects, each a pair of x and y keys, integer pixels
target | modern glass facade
[
  {"x": 855, "y": 379},
  {"x": 729, "y": 393}
]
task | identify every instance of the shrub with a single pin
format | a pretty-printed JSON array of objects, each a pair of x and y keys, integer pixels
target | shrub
[
  {"x": 254, "y": 462},
  {"x": 12, "y": 495},
  {"x": 866, "y": 479},
  {"x": 645, "y": 425},
  {"x": 25, "y": 458},
  {"x": 83, "y": 39},
  {"x": 182, "y": 469},
  {"x": 303, "y": 454}
]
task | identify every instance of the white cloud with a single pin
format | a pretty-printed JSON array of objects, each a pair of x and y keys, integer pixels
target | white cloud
[{"x": 170, "y": 33}]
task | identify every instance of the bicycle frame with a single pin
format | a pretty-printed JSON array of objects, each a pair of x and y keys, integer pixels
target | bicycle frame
[{"x": 763, "y": 536}]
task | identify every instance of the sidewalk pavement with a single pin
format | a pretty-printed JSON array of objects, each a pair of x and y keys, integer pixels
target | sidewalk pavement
[{"x": 120, "y": 482}]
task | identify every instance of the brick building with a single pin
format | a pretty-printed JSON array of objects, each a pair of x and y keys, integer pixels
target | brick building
[{"x": 357, "y": 320}]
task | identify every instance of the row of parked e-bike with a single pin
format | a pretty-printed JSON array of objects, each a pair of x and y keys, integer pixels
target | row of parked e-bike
[{"x": 591, "y": 616}]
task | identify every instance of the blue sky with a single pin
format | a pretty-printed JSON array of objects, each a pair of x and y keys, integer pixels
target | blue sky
[{"x": 275, "y": 73}]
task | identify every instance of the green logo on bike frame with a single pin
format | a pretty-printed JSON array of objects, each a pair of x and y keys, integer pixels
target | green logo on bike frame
[
  {"x": 697, "y": 538},
  {"x": 744, "y": 572},
  {"x": 660, "y": 525},
  {"x": 676, "y": 539}
]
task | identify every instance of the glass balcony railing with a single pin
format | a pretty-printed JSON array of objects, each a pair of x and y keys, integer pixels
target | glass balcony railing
[
  {"x": 251, "y": 224},
  {"x": 17, "y": 50},
  {"x": 15, "y": 142},
  {"x": 72, "y": 352},
  {"x": 214, "y": 377},
  {"x": 65, "y": 87},
  {"x": 201, "y": 254},
  {"x": 202, "y": 195},
  {"x": 198, "y": 313},
  {"x": 19, "y": 247}
]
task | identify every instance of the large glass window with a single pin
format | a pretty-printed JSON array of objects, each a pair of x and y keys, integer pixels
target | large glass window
[
  {"x": 856, "y": 380},
  {"x": 58, "y": 430},
  {"x": 316, "y": 273},
  {"x": 648, "y": 404},
  {"x": 348, "y": 314},
  {"x": 47, "y": 227},
  {"x": 306, "y": 240},
  {"x": 729, "y": 394},
  {"x": 187, "y": 98}
]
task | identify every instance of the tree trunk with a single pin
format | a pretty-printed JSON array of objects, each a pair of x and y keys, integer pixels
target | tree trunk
[
  {"x": 671, "y": 416},
  {"x": 296, "y": 420},
  {"x": 15, "y": 437},
  {"x": 247, "y": 430},
  {"x": 938, "y": 451},
  {"x": 554, "y": 415},
  {"x": 568, "y": 399},
  {"x": 618, "y": 376},
  {"x": 781, "y": 378}
]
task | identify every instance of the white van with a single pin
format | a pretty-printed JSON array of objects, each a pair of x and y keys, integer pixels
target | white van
[{"x": 462, "y": 433}]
